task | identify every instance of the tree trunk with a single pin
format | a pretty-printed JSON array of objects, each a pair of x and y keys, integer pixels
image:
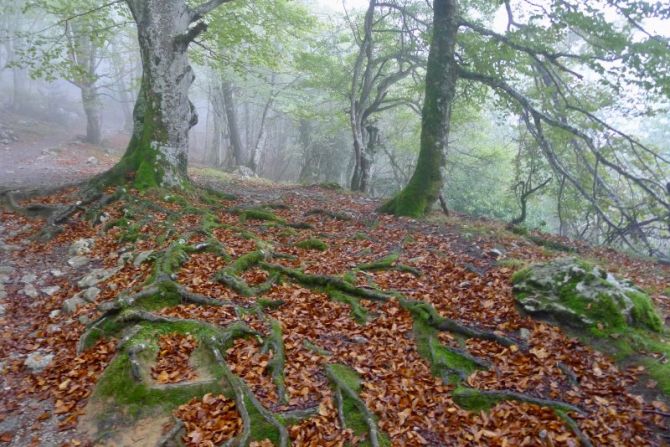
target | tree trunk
[
  {"x": 157, "y": 154},
  {"x": 93, "y": 110},
  {"x": 233, "y": 125},
  {"x": 424, "y": 187}
]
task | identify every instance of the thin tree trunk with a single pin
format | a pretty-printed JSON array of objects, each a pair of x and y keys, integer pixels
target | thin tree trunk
[
  {"x": 424, "y": 187},
  {"x": 233, "y": 126},
  {"x": 93, "y": 110}
]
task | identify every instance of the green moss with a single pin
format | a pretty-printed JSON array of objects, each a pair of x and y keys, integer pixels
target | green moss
[
  {"x": 358, "y": 312},
  {"x": 644, "y": 313},
  {"x": 106, "y": 328},
  {"x": 511, "y": 263},
  {"x": 245, "y": 262},
  {"x": 315, "y": 348},
  {"x": 132, "y": 233},
  {"x": 381, "y": 264},
  {"x": 522, "y": 275},
  {"x": 348, "y": 376},
  {"x": 312, "y": 244},
  {"x": 259, "y": 214},
  {"x": 520, "y": 230},
  {"x": 474, "y": 400},
  {"x": 261, "y": 428},
  {"x": 360, "y": 236}
]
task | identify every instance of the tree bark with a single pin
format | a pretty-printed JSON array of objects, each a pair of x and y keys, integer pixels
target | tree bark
[
  {"x": 233, "y": 125},
  {"x": 93, "y": 110},
  {"x": 157, "y": 154},
  {"x": 424, "y": 187}
]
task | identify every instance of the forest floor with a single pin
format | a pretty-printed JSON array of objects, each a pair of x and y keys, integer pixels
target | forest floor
[{"x": 266, "y": 314}]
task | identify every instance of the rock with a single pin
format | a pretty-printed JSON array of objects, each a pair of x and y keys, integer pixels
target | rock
[
  {"x": 4, "y": 279},
  {"x": 3, "y": 293},
  {"x": 83, "y": 319},
  {"x": 245, "y": 172},
  {"x": 30, "y": 290},
  {"x": 56, "y": 273},
  {"x": 577, "y": 294},
  {"x": 51, "y": 290},
  {"x": 28, "y": 278},
  {"x": 123, "y": 258},
  {"x": 494, "y": 253},
  {"x": 37, "y": 361},
  {"x": 92, "y": 161},
  {"x": 142, "y": 257},
  {"x": 78, "y": 261},
  {"x": 2, "y": 309},
  {"x": 359, "y": 339},
  {"x": 90, "y": 294},
  {"x": 6, "y": 270},
  {"x": 96, "y": 276},
  {"x": 464, "y": 285},
  {"x": 524, "y": 334},
  {"x": 54, "y": 313},
  {"x": 70, "y": 305},
  {"x": 81, "y": 247}
]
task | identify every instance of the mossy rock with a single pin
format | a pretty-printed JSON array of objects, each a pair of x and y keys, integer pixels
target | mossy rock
[{"x": 575, "y": 293}]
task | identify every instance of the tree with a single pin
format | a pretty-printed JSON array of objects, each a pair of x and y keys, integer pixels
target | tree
[
  {"x": 426, "y": 183},
  {"x": 378, "y": 66},
  {"x": 157, "y": 154},
  {"x": 540, "y": 70}
]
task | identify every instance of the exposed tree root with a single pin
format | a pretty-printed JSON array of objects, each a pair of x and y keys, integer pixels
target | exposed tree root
[
  {"x": 173, "y": 434},
  {"x": 326, "y": 282},
  {"x": 572, "y": 424},
  {"x": 470, "y": 398},
  {"x": 331, "y": 214},
  {"x": 275, "y": 343},
  {"x": 427, "y": 313},
  {"x": 389, "y": 263},
  {"x": 358, "y": 312},
  {"x": 135, "y": 367},
  {"x": 337, "y": 375}
]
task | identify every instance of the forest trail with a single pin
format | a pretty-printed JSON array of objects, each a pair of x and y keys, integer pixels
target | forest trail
[
  {"x": 44, "y": 155},
  {"x": 312, "y": 292}
]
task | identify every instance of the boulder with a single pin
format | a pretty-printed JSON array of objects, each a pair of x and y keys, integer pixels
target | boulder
[
  {"x": 51, "y": 290},
  {"x": 30, "y": 290},
  {"x": 578, "y": 294},
  {"x": 90, "y": 294}
]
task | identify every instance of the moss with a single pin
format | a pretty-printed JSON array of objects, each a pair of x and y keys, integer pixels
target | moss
[
  {"x": 360, "y": 236},
  {"x": 132, "y": 233},
  {"x": 261, "y": 429},
  {"x": 315, "y": 348},
  {"x": 259, "y": 214},
  {"x": 358, "y": 312},
  {"x": 381, "y": 264},
  {"x": 511, "y": 263},
  {"x": 245, "y": 262},
  {"x": 474, "y": 400},
  {"x": 644, "y": 313},
  {"x": 312, "y": 244},
  {"x": 107, "y": 328},
  {"x": 522, "y": 275},
  {"x": 519, "y": 230}
]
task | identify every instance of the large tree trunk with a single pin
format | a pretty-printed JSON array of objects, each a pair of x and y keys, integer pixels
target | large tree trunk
[
  {"x": 424, "y": 187},
  {"x": 93, "y": 110},
  {"x": 157, "y": 154}
]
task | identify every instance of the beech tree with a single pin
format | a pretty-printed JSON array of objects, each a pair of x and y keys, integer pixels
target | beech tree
[
  {"x": 157, "y": 154},
  {"x": 562, "y": 68}
]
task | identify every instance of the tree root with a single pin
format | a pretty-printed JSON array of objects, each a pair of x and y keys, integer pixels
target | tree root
[
  {"x": 358, "y": 312},
  {"x": 244, "y": 396},
  {"x": 275, "y": 343},
  {"x": 471, "y": 398},
  {"x": 135, "y": 367},
  {"x": 344, "y": 387},
  {"x": 390, "y": 263},
  {"x": 331, "y": 214},
  {"x": 572, "y": 424},
  {"x": 427, "y": 313},
  {"x": 327, "y": 282},
  {"x": 172, "y": 434}
]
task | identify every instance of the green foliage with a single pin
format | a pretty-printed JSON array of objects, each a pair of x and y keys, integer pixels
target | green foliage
[{"x": 312, "y": 244}]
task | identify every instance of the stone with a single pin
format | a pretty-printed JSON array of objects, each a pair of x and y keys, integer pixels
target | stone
[
  {"x": 51, "y": 290},
  {"x": 245, "y": 172},
  {"x": 95, "y": 276},
  {"x": 90, "y": 294},
  {"x": 70, "y": 305},
  {"x": 92, "y": 161},
  {"x": 52, "y": 329},
  {"x": 78, "y": 261},
  {"x": 524, "y": 334},
  {"x": 54, "y": 313},
  {"x": 30, "y": 290},
  {"x": 37, "y": 361},
  {"x": 56, "y": 273},
  {"x": 2, "y": 309},
  {"x": 580, "y": 295},
  {"x": 494, "y": 253},
  {"x": 142, "y": 257},
  {"x": 81, "y": 247},
  {"x": 83, "y": 319},
  {"x": 124, "y": 258},
  {"x": 6, "y": 269},
  {"x": 28, "y": 278}
]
